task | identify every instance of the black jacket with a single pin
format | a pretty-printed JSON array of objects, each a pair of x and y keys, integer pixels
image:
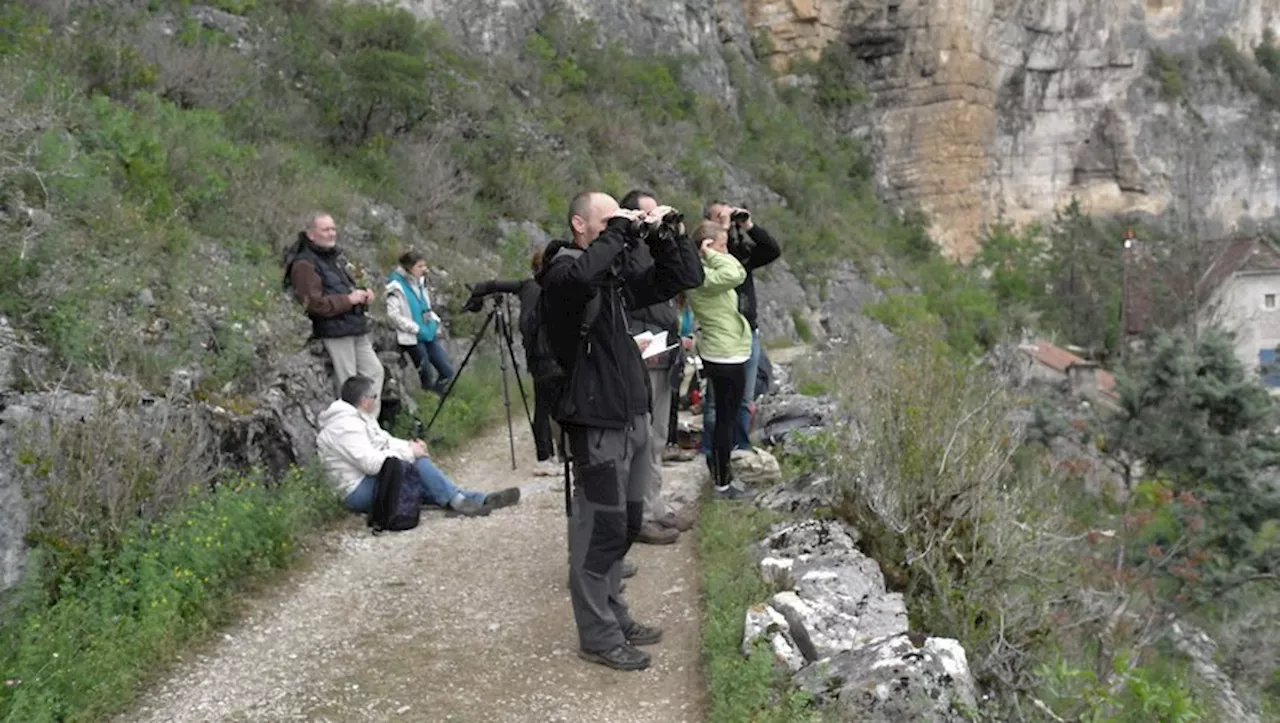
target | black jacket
[
  {"x": 762, "y": 252},
  {"x": 538, "y": 356},
  {"x": 608, "y": 384},
  {"x": 320, "y": 280}
]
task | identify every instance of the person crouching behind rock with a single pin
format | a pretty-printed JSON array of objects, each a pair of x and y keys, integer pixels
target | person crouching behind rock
[
  {"x": 353, "y": 449},
  {"x": 409, "y": 310}
]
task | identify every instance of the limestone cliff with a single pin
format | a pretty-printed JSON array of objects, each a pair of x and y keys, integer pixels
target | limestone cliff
[
  {"x": 986, "y": 108},
  {"x": 993, "y": 108}
]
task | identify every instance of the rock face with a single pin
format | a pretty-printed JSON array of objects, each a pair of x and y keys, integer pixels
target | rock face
[
  {"x": 832, "y": 596},
  {"x": 271, "y": 430},
  {"x": 695, "y": 29},
  {"x": 800, "y": 496},
  {"x": 979, "y": 110},
  {"x": 834, "y": 625},
  {"x": 796, "y": 28},
  {"x": 1010, "y": 107},
  {"x": 894, "y": 679}
]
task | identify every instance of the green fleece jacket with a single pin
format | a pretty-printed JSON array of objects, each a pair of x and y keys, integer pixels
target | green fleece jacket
[{"x": 726, "y": 335}]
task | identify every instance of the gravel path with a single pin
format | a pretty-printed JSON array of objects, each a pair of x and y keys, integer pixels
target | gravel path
[{"x": 457, "y": 620}]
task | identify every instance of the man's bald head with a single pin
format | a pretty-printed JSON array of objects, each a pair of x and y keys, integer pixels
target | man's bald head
[{"x": 589, "y": 213}]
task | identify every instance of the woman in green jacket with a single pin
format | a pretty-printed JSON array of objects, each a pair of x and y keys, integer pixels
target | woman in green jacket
[{"x": 724, "y": 343}]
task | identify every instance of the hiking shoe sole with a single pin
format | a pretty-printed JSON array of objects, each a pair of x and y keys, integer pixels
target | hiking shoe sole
[{"x": 482, "y": 511}]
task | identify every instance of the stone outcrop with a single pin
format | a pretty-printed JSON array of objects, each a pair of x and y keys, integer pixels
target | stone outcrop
[
  {"x": 897, "y": 678},
  {"x": 795, "y": 28},
  {"x": 834, "y": 625},
  {"x": 703, "y": 30},
  {"x": 801, "y": 496}
]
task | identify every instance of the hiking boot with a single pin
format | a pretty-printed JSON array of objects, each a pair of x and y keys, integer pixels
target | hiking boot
[
  {"x": 505, "y": 498},
  {"x": 547, "y": 468},
  {"x": 620, "y": 657},
  {"x": 469, "y": 508},
  {"x": 732, "y": 492},
  {"x": 641, "y": 634},
  {"x": 681, "y": 521},
  {"x": 651, "y": 533},
  {"x": 629, "y": 568},
  {"x": 675, "y": 454}
]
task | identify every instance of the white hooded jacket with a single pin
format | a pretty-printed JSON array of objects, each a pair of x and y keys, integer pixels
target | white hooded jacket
[{"x": 352, "y": 446}]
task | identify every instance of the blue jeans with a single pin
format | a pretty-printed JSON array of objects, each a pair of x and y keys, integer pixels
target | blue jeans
[
  {"x": 430, "y": 353},
  {"x": 436, "y": 488},
  {"x": 742, "y": 439}
]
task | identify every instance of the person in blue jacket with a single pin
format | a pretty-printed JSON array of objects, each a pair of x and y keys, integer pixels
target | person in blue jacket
[{"x": 416, "y": 325}]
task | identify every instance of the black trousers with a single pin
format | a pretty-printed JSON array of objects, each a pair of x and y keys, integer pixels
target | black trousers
[
  {"x": 546, "y": 392},
  {"x": 728, "y": 385}
]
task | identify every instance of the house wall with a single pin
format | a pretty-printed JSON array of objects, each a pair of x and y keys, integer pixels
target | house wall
[{"x": 1239, "y": 306}]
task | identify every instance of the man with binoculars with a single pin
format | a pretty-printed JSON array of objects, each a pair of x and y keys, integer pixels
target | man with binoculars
[{"x": 588, "y": 286}]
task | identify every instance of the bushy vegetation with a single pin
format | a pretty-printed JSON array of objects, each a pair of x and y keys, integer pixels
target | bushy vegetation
[
  {"x": 1067, "y": 598},
  {"x": 77, "y": 649}
]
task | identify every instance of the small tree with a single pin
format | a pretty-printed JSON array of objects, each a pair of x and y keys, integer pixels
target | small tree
[
  {"x": 1192, "y": 413},
  {"x": 372, "y": 70}
]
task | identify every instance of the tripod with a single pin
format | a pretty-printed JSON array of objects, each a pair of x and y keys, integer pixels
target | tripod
[{"x": 499, "y": 315}]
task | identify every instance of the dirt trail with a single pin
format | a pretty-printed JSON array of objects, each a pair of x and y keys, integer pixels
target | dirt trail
[{"x": 457, "y": 620}]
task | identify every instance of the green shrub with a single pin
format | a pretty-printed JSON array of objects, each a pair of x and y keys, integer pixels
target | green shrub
[
  {"x": 974, "y": 550},
  {"x": 802, "y": 326},
  {"x": 82, "y": 655},
  {"x": 1169, "y": 71},
  {"x": 166, "y": 159},
  {"x": 372, "y": 70}
]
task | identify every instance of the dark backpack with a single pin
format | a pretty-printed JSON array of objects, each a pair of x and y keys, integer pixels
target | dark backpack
[
  {"x": 396, "y": 498},
  {"x": 290, "y": 255}
]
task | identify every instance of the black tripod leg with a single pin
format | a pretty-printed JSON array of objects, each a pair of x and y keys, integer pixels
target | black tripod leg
[
  {"x": 511, "y": 352},
  {"x": 475, "y": 341},
  {"x": 506, "y": 396}
]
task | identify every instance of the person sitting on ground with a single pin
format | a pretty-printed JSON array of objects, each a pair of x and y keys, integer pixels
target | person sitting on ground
[
  {"x": 540, "y": 360},
  {"x": 353, "y": 449},
  {"x": 416, "y": 325}
]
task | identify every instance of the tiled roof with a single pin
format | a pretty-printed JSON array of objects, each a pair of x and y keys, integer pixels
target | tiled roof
[
  {"x": 1061, "y": 360},
  {"x": 1250, "y": 253},
  {"x": 1219, "y": 260}
]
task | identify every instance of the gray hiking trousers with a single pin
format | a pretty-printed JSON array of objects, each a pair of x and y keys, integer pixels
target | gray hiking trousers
[
  {"x": 611, "y": 473},
  {"x": 654, "y": 506}
]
